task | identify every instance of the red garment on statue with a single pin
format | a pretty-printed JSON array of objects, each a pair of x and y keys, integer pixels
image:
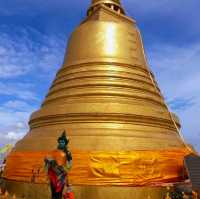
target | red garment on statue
[{"x": 54, "y": 180}]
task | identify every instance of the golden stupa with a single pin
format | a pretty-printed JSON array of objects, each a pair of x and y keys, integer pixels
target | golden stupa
[{"x": 125, "y": 142}]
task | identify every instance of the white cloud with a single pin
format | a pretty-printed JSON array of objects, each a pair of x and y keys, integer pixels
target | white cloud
[
  {"x": 14, "y": 120},
  {"x": 14, "y": 136},
  {"x": 10, "y": 138}
]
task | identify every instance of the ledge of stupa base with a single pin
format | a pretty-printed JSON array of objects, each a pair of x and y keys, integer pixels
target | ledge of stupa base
[{"x": 42, "y": 191}]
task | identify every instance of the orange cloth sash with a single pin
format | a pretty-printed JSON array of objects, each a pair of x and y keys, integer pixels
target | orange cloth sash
[{"x": 135, "y": 168}]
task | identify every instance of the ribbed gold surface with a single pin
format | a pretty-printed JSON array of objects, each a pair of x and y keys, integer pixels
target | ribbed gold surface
[{"x": 103, "y": 95}]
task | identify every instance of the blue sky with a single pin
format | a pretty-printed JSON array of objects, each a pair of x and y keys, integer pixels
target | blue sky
[{"x": 33, "y": 36}]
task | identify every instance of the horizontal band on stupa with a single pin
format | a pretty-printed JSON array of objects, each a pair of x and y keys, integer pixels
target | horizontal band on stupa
[{"x": 103, "y": 168}]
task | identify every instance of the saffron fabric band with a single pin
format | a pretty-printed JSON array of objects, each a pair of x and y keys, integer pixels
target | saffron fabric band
[{"x": 135, "y": 168}]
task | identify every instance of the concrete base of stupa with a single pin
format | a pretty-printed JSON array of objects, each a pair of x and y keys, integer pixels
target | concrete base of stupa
[{"x": 38, "y": 191}]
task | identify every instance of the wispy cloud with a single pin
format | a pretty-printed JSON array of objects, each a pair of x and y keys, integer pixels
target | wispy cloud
[
  {"x": 14, "y": 116},
  {"x": 13, "y": 123},
  {"x": 27, "y": 51},
  {"x": 17, "y": 105}
]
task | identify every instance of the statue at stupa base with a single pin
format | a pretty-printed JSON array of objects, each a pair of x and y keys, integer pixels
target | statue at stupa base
[{"x": 57, "y": 166}]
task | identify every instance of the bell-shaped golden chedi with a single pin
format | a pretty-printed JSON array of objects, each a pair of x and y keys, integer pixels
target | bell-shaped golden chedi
[{"x": 105, "y": 96}]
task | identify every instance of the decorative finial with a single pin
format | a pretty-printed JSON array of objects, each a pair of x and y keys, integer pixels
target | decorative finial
[
  {"x": 114, "y": 5},
  {"x": 106, "y": 1}
]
